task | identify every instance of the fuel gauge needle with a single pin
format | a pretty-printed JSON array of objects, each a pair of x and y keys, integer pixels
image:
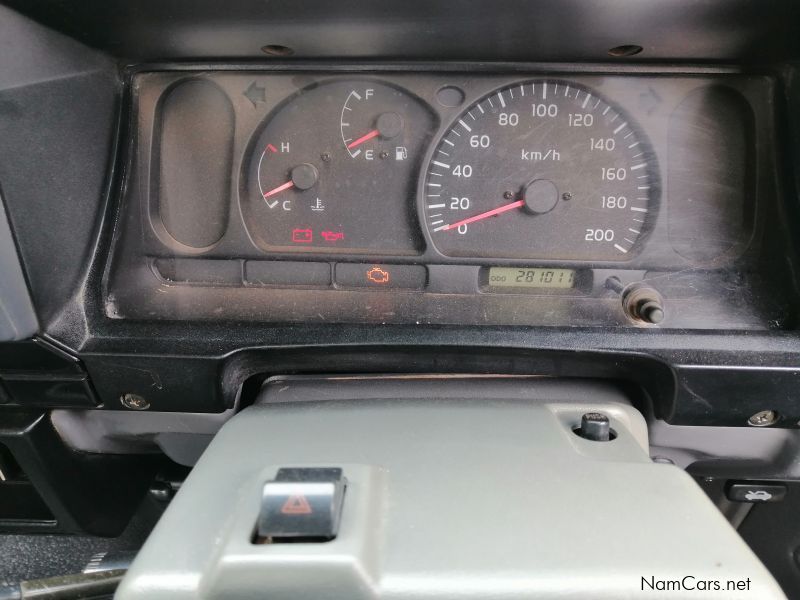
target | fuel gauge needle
[
  {"x": 484, "y": 215},
  {"x": 364, "y": 138}
]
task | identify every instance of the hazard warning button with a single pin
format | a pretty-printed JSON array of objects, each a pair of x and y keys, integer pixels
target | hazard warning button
[{"x": 302, "y": 503}]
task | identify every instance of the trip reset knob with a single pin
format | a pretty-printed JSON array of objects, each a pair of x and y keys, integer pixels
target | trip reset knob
[{"x": 640, "y": 302}]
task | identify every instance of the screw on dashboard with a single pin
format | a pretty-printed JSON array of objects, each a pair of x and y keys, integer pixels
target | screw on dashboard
[
  {"x": 277, "y": 50},
  {"x": 625, "y": 50},
  {"x": 763, "y": 418},
  {"x": 134, "y": 402}
]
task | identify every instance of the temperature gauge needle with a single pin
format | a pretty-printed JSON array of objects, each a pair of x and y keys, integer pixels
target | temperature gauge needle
[
  {"x": 279, "y": 189},
  {"x": 484, "y": 215},
  {"x": 363, "y": 138}
]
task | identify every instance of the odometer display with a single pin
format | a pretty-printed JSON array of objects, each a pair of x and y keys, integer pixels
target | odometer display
[
  {"x": 542, "y": 169},
  {"x": 528, "y": 277}
]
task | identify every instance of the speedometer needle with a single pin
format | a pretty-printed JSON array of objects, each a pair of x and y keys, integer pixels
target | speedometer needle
[
  {"x": 279, "y": 189},
  {"x": 484, "y": 215},
  {"x": 363, "y": 138}
]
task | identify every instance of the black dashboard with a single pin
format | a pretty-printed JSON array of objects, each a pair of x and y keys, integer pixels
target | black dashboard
[
  {"x": 200, "y": 203},
  {"x": 202, "y": 210}
]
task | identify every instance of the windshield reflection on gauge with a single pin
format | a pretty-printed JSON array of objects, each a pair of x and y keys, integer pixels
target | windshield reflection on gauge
[{"x": 333, "y": 170}]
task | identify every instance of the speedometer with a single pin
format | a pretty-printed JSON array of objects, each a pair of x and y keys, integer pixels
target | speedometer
[{"x": 542, "y": 169}]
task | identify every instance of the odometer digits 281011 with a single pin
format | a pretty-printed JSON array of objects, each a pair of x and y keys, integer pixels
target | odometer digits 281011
[
  {"x": 541, "y": 169},
  {"x": 530, "y": 278}
]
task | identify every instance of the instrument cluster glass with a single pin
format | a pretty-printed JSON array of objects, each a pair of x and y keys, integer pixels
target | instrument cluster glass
[
  {"x": 541, "y": 169},
  {"x": 393, "y": 195}
]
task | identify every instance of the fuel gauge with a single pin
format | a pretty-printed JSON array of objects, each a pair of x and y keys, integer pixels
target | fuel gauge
[
  {"x": 333, "y": 170},
  {"x": 370, "y": 123}
]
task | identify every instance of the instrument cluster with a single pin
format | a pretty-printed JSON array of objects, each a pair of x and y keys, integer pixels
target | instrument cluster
[{"x": 569, "y": 192}]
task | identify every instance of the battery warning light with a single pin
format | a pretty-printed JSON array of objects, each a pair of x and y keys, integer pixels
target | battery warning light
[
  {"x": 302, "y": 236},
  {"x": 378, "y": 275}
]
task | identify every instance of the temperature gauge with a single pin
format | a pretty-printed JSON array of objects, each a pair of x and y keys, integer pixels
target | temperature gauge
[{"x": 331, "y": 171}]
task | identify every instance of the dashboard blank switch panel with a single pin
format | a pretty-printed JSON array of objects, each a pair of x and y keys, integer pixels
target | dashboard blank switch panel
[
  {"x": 195, "y": 124},
  {"x": 484, "y": 494},
  {"x": 712, "y": 200}
]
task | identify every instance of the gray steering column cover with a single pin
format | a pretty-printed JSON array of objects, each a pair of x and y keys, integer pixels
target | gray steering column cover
[{"x": 447, "y": 499}]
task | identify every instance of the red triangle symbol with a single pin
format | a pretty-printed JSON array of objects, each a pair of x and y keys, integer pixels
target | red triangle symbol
[{"x": 296, "y": 505}]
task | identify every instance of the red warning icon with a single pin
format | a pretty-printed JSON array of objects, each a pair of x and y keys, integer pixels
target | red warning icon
[{"x": 296, "y": 505}]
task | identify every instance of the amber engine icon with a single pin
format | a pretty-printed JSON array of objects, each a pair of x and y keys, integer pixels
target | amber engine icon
[{"x": 378, "y": 275}]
